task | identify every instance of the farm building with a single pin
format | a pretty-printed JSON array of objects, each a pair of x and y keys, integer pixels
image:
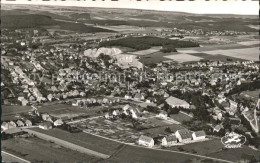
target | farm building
[
  {"x": 146, "y": 141},
  {"x": 169, "y": 140},
  {"x": 175, "y": 102},
  {"x": 183, "y": 135},
  {"x": 198, "y": 135}
]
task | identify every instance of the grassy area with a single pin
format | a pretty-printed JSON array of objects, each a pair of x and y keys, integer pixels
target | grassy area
[
  {"x": 180, "y": 117},
  {"x": 37, "y": 150},
  {"x": 236, "y": 153},
  {"x": 138, "y": 154},
  {"x": 10, "y": 112},
  {"x": 83, "y": 139}
]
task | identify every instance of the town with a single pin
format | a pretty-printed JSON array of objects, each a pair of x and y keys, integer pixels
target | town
[{"x": 59, "y": 89}]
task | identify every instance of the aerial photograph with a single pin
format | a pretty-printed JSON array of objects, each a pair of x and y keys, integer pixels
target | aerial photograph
[{"x": 130, "y": 81}]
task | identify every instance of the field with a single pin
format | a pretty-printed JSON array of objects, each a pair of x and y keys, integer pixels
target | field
[
  {"x": 180, "y": 117},
  {"x": 236, "y": 154},
  {"x": 11, "y": 112},
  {"x": 246, "y": 53},
  {"x": 251, "y": 94},
  {"x": 66, "y": 111},
  {"x": 149, "y": 155},
  {"x": 83, "y": 139},
  {"x": 202, "y": 148},
  {"x": 62, "y": 110},
  {"x": 146, "y": 52},
  {"x": 181, "y": 58},
  {"x": 154, "y": 58},
  {"x": 37, "y": 150}
]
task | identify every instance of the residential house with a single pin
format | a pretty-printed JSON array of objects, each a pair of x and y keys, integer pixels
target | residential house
[
  {"x": 12, "y": 124},
  {"x": 58, "y": 122},
  {"x": 139, "y": 97},
  {"x": 24, "y": 102},
  {"x": 163, "y": 115},
  {"x": 217, "y": 128},
  {"x": 128, "y": 96},
  {"x": 116, "y": 113},
  {"x": 146, "y": 141},
  {"x": 183, "y": 135},
  {"x": 46, "y": 117},
  {"x": 28, "y": 123},
  {"x": 4, "y": 126},
  {"x": 198, "y": 135},
  {"x": 20, "y": 123},
  {"x": 45, "y": 125},
  {"x": 169, "y": 140}
]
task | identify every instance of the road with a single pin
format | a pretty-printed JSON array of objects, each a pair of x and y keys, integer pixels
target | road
[{"x": 7, "y": 157}]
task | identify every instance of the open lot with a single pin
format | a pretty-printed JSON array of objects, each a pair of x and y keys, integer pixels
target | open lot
[{"x": 37, "y": 150}]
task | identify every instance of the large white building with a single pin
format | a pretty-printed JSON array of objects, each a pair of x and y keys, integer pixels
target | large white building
[{"x": 175, "y": 102}]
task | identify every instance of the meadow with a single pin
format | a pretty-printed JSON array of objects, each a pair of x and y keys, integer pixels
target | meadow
[{"x": 37, "y": 150}]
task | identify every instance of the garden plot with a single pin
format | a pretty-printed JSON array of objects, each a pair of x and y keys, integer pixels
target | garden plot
[{"x": 121, "y": 130}]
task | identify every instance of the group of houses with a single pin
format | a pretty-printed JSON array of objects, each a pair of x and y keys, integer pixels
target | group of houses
[
  {"x": 181, "y": 136},
  {"x": 18, "y": 123},
  {"x": 88, "y": 101},
  {"x": 48, "y": 122},
  {"x": 127, "y": 111}
]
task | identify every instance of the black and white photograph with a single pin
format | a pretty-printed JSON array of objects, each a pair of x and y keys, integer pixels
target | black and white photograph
[{"x": 130, "y": 81}]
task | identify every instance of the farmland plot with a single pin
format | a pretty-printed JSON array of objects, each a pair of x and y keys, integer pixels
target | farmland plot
[
  {"x": 246, "y": 53},
  {"x": 181, "y": 58}
]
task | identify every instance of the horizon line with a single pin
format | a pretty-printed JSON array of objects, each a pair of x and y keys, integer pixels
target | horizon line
[{"x": 231, "y": 7}]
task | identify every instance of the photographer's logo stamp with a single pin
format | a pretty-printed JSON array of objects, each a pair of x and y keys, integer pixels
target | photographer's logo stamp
[{"x": 233, "y": 140}]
